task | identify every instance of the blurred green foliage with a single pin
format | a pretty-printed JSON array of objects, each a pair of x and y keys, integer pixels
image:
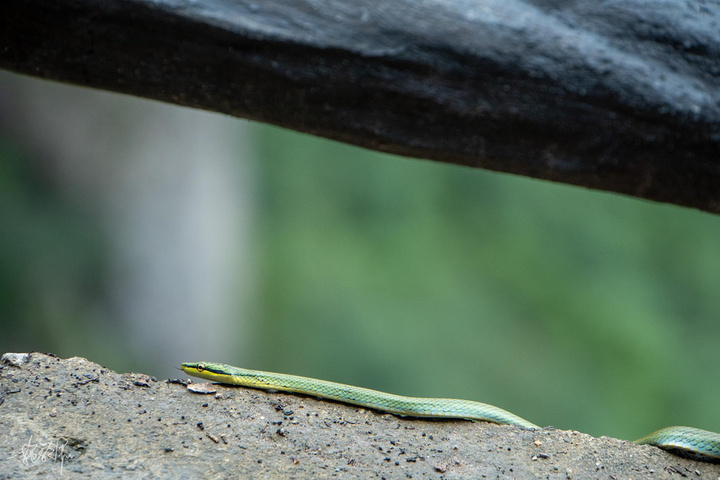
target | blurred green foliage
[
  {"x": 51, "y": 263},
  {"x": 574, "y": 308}
]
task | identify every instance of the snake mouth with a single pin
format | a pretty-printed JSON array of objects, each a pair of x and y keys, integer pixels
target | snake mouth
[{"x": 200, "y": 367}]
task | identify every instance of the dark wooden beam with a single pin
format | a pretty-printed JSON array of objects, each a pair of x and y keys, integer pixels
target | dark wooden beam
[{"x": 618, "y": 96}]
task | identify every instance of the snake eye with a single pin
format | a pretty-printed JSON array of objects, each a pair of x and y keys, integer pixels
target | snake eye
[{"x": 200, "y": 367}]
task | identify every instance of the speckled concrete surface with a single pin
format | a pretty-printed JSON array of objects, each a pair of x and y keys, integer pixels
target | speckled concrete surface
[{"x": 75, "y": 419}]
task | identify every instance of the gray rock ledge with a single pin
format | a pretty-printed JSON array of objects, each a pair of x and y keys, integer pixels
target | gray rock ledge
[{"x": 74, "y": 418}]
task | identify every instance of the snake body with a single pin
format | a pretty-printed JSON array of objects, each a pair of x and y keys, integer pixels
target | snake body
[{"x": 701, "y": 444}]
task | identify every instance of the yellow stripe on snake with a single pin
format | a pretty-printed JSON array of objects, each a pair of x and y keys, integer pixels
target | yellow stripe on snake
[{"x": 700, "y": 444}]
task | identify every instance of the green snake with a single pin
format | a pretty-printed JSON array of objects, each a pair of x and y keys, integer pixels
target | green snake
[{"x": 686, "y": 441}]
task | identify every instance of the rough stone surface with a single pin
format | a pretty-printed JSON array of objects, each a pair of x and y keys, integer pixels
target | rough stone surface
[{"x": 77, "y": 419}]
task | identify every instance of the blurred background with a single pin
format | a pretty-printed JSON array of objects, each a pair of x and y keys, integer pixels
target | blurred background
[{"x": 140, "y": 235}]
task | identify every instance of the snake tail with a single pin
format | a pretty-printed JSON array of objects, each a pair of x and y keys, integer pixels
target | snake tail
[{"x": 686, "y": 441}]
